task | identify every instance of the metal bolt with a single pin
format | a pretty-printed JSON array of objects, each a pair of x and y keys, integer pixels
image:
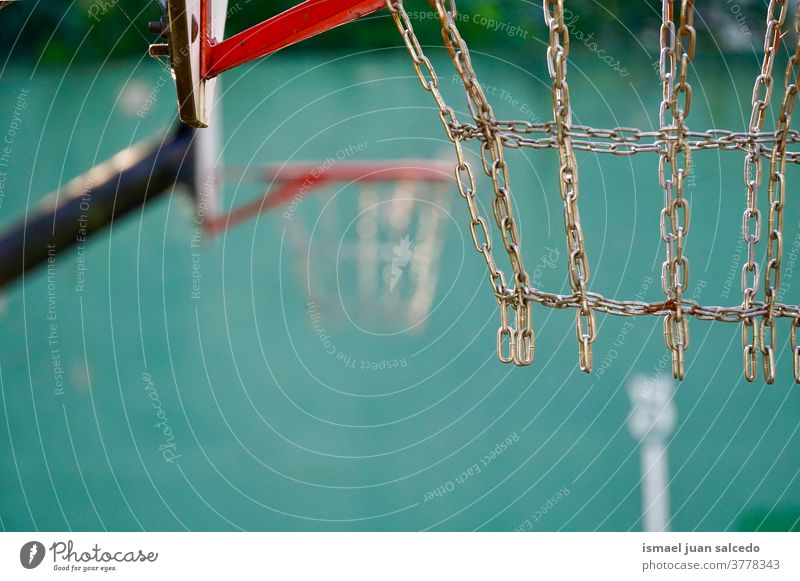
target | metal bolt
[{"x": 159, "y": 49}]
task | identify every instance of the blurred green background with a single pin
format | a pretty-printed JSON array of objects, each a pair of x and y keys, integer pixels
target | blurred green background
[
  {"x": 269, "y": 431},
  {"x": 113, "y": 29}
]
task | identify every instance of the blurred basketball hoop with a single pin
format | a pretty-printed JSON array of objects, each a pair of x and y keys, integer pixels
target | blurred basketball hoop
[{"x": 365, "y": 237}]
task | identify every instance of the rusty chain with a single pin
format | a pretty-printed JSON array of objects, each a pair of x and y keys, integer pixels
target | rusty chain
[
  {"x": 557, "y": 53},
  {"x": 673, "y": 141},
  {"x": 751, "y": 219},
  {"x": 667, "y": 70},
  {"x": 777, "y": 197},
  {"x": 674, "y": 165},
  {"x": 495, "y": 168},
  {"x": 689, "y": 307},
  {"x": 513, "y": 343},
  {"x": 628, "y": 140}
]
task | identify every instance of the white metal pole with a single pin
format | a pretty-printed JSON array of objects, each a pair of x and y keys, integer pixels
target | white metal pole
[{"x": 652, "y": 421}]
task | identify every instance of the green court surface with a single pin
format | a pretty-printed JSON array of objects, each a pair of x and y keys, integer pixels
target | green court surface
[{"x": 152, "y": 382}]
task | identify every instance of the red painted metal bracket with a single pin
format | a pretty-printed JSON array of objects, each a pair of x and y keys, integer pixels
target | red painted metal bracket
[
  {"x": 298, "y": 23},
  {"x": 285, "y": 182}
]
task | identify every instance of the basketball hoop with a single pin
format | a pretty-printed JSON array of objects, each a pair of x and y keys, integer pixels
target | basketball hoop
[
  {"x": 378, "y": 224},
  {"x": 674, "y": 142}
]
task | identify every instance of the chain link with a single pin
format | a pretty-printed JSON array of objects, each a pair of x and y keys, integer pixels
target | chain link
[
  {"x": 515, "y": 345},
  {"x": 629, "y": 141},
  {"x": 495, "y": 167},
  {"x": 673, "y": 167},
  {"x": 557, "y": 53},
  {"x": 674, "y": 142},
  {"x": 751, "y": 218},
  {"x": 777, "y": 197},
  {"x": 689, "y": 307}
]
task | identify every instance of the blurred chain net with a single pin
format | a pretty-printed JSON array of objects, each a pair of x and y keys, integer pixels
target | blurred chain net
[{"x": 674, "y": 143}]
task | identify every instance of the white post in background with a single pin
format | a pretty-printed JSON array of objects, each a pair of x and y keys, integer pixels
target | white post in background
[{"x": 652, "y": 420}]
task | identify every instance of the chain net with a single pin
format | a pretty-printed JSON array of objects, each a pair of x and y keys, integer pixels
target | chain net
[{"x": 674, "y": 144}]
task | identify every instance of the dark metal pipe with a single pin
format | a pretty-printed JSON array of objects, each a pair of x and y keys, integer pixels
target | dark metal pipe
[{"x": 93, "y": 200}]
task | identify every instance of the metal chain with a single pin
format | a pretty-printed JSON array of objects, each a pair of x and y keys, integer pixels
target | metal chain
[
  {"x": 513, "y": 344},
  {"x": 676, "y": 158},
  {"x": 667, "y": 69},
  {"x": 751, "y": 219},
  {"x": 628, "y": 140},
  {"x": 673, "y": 141},
  {"x": 777, "y": 197},
  {"x": 689, "y": 307},
  {"x": 557, "y": 53},
  {"x": 496, "y": 168}
]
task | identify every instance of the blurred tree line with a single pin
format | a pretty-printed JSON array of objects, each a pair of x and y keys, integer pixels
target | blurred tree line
[{"x": 94, "y": 30}]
